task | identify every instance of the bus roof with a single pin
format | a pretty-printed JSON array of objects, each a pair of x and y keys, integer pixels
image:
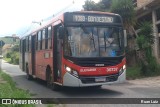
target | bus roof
[
  {"x": 96, "y": 12},
  {"x": 61, "y": 17}
]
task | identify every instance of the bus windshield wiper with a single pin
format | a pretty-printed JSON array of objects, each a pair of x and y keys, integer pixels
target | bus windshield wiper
[
  {"x": 91, "y": 37},
  {"x": 93, "y": 40},
  {"x": 105, "y": 41}
]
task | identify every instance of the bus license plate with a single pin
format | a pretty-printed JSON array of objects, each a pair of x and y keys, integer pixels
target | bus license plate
[{"x": 100, "y": 79}]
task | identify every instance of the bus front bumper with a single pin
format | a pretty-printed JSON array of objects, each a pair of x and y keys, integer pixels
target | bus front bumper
[{"x": 72, "y": 81}]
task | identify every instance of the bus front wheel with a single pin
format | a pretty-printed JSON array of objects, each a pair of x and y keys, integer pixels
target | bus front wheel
[{"x": 49, "y": 81}]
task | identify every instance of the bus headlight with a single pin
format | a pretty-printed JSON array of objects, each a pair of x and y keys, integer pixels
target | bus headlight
[
  {"x": 71, "y": 71},
  {"x": 124, "y": 67},
  {"x": 68, "y": 69}
]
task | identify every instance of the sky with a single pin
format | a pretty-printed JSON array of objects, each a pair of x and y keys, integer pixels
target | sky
[{"x": 16, "y": 16}]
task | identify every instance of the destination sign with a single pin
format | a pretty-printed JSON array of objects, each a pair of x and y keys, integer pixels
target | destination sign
[{"x": 88, "y": 18}]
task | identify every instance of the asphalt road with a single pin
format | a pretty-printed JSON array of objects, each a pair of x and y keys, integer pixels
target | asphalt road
[{"x": 145, "y": 88}]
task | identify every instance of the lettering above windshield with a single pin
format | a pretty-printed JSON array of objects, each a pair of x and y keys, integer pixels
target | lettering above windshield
[{"x": 99, "y": 19}]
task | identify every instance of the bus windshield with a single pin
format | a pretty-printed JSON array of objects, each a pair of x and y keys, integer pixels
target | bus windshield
[{"x": 94, "y": 41}]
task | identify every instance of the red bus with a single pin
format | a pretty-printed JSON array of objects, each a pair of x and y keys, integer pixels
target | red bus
[{"x": 76, "y": 49}]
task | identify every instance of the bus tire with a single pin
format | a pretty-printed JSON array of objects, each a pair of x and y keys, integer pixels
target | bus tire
[
  {"x": 49, "y": 81},
  {"x": 48, "y": 77},
  {"x": 28, "y": 76},
  {"x": 55, "y": 87}
]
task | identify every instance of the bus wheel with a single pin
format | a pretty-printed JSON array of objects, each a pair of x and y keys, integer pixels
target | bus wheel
[
  {"x": 29, "y": 77},
  {"x": 48, "y": 77},
  {"x": 50, "y": 84},
  {"x": 55, "y": 87}
]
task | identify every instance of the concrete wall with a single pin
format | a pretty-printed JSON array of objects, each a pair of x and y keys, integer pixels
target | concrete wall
[
  {"x": 142, "y": 2},
  {"x": 152, "y": 10}
]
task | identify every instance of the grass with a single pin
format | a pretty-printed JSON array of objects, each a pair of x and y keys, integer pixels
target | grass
[
  {"x": 50, "y": 105},
  {"x": 8, "y": 89},
  {"x": 133, "y": 72},
  {"x": 7, "y": 59}
]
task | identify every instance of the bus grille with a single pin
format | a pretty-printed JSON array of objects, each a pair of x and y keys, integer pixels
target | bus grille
[{"x": 87, "y": 80}]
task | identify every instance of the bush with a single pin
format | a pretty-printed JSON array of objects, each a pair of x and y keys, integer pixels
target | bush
[
  {"x": 15, "y": 58},
  {"x": 147, "y": 61},
  {"x": 150, "y": 67},
  {"x": 8, "y": 55}
]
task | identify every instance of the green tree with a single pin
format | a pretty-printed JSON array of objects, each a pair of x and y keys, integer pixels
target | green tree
[
  {"x": 125, "y": 8},
  {"x": 90, "y": 6},
  {"x": 15, "y": 48},
  {"x": 144, "y": 54},
  {"x": 106, "y": 4},
  {"x": 102, "y": 5}
]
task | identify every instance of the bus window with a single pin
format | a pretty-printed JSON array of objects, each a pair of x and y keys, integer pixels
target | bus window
[
  {"x": 46, "y": 38},
  {"x": 36, "y": 41},
  {"x": 43, "y": 39},
  {"x": 39, "y": 40},
  {"x": 29, "y": 43},
  {"x": 49, "y": 37}
]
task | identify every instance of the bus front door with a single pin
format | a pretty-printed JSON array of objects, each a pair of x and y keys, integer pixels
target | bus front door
[{"x": 57, "y": 60}]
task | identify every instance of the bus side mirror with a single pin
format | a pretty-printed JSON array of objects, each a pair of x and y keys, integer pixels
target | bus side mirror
[
  {"x": 125, "y": 38},
  {"x": 61, "y": 32}
]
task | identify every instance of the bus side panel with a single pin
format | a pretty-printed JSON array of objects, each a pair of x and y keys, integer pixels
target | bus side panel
[
  {"x": 38, "y": 64},
  {"x": 43, "y": 59},
  {"x": 47, "y": 61}
]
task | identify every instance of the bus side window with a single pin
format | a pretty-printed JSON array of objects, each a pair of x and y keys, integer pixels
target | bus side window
[
  {"x": 29, "y": 43},
  {"x": 50, "y": 37},
  {"x": 39, "y": 40},
  {"x": 43, "y": 38},
  {"x": 46, "y": 38}
]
